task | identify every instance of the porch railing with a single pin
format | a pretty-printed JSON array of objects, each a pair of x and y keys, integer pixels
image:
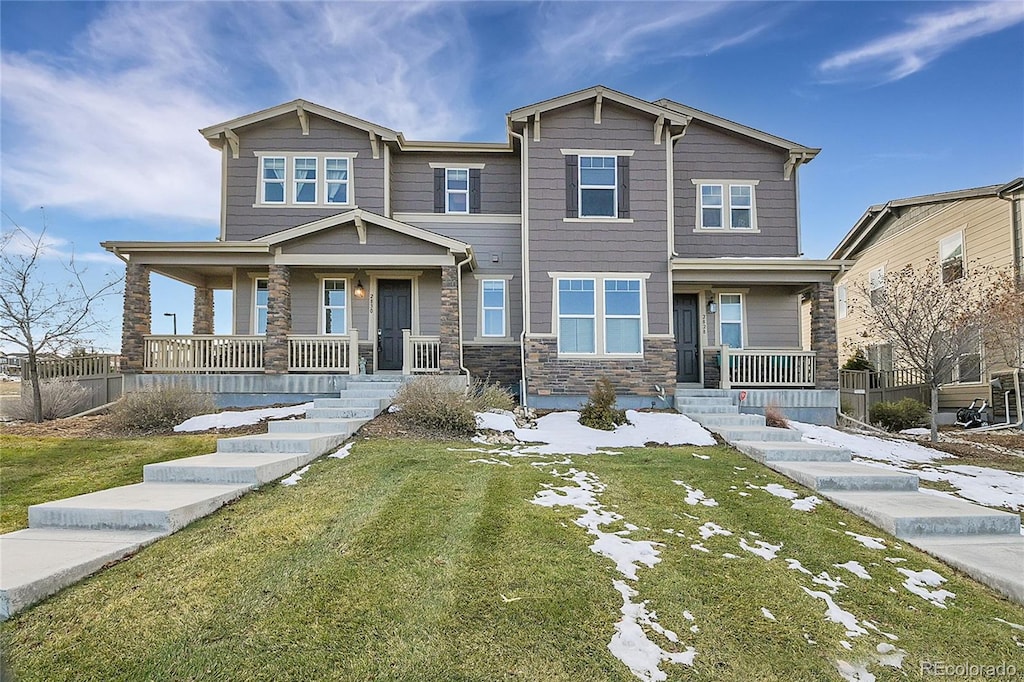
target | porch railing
[
  {"x": 204, "y": 353},
  {"x": 324, "y": 353},
  {"x": 775, "y": 368},
  {"x": 79, "y": 367},
  {"x": 421, "y": 354}
]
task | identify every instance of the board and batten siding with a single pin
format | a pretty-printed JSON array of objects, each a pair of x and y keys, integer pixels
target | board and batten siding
[
  {"x": 412, "y": 181},
  {"x": 604, "y": 247},
  {"x": 709, "y": 153},
  {"x": 245, "y": 220}
]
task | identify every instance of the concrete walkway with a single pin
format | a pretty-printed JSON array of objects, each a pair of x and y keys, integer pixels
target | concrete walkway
[
  {"x": 70, "y": 539},
  {"x": 984, "y": 543}
]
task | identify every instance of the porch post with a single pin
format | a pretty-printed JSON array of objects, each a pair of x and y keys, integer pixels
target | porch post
[
  {"x": 451, "y": 328},
  {"x": 824, "y": 342},
  {"x": 279, "y": 320},
  {"x": 202, "y": 311},
  {"x": 137, "y": 318}
]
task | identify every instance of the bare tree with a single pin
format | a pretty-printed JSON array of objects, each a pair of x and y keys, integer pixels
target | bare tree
[
  {"x": 1002, "y": 321},
  {"x": 39, "y": 314},
  {"x": 931, "y": 325}
]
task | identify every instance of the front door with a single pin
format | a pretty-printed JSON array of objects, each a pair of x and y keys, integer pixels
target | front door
[
  {"x": 394, "y": 313},
  {"x": 687, "y": 339}
]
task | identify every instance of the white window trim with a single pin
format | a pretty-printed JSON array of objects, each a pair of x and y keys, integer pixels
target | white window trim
[
  {"x": 580, "y": 187},
  {"x": 607, "y": 316},
  {"x": 256, "y": 306},
  {"x": 322, "y": 328},
  {"x": 726, "y": 207},
  {"x": 262, "y": 188},
  {"x": 449, "y": 192},
  {"x": 504, "y": 309},
  {"x": 297, "y": 181},
  {"x": 290, "y": 181},
  {"x": 875, "y": 283},
  {"x": 959, "y": 236},
  {"x": 347, "y": 181},
  {"x": 842, "y": 302},
  {"x": 599, "y": 308},
  {"x": 472, "y": 166},
  {"x": 743, "y": 317}
]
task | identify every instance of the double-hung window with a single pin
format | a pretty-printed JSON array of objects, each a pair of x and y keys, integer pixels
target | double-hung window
[
  {"x": 951, "y": 257},
  {"x": 600, "y": 316},
  {"x": 335, "y": 306},
  {"x": 261, "y": 294},
  {"x": 741, "y": 207},
  {"x": 876, "y": 285},
  {"x": 711, "y": 206},
  {"x": 273, "y": 179},
  {"x": 305, "y": 180},
  {"x": 597, "y": 187},
  {"x": 622, "y": 322},
  {"x": 724, "y": 204},
  {"x": 577, "y": 316},
  {"x": 456, "y": 190},
  {"x": 336, "y": 175},
  {"x": 493, "y": 307},
  {"x": 730, "y": 319}
]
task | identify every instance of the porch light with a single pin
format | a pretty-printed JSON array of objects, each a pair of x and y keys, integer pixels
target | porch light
[
  {"x": 712, "y": 307},
  {"x": 360, "y": 291}
]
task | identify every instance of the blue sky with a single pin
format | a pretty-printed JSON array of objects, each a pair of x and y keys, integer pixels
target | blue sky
[{"x": 101, "y": 102}]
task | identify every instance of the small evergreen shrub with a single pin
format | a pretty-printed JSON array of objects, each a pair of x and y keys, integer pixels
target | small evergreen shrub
[
  {"x": 600, "y": 412},
  {"x": 774, "y": 416},
  {"x": 859, "y": 362},
  {"x": 896, "y": 416},
  {"x": 61, "y": 398},
  {"x": 158, "y": 410}
]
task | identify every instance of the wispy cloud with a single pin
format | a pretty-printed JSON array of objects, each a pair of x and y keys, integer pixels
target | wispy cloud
[
  {"x": 20, "y": 241},
  {"x": 927, "y": 37}
]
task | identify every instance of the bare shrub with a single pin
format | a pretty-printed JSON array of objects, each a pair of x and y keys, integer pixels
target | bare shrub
[
  {"x": 600, "y": 412},
  {"x": 490, "y": 396},
  {"x": 774, "y": 416},
  {"x": 436, "y": 403},
  {"x": 158, "y": 410},
  {"x": 61, "y": 398}
]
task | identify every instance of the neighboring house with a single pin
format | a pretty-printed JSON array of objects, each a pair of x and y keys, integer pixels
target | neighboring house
[
  {"x": 10, "y": 364},
  {"x": 607, "y": 236},
  {"x": 963, "y": 233}
]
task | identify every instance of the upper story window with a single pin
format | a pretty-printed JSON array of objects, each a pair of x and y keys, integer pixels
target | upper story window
[
  {"x": 335, "y": 306},
  {"x": 457, "y": 188},
  {"x": 876, "y": 285},
  {"x": 596, "y": 185},
  {"x": 951, "y": 257},
  {"x": 730, "y": 319},
  {"x": 262, "y": 292},
  {"x": 493, "y": 307},
  {"x": 288, "y": 179},
  {"x": 724, "y": 204}
]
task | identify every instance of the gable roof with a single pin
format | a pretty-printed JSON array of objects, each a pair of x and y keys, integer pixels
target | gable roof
[
  {"x": 870, "y": 222},
  {"x": 740, "y": 129},
  {"x": 298, "y": 107}
]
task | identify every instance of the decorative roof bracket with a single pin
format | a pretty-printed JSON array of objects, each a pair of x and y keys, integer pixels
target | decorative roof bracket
[
  {"x": 303, "y": 119},
  {"x": 659, "y": 126},
  {"x": 232, "y": 141},
  {"x": 597, "y": 106},
  {"x": 536, "y": 125},
  {"x": 360, "y": 228},
  {"x": 373, "y": 145}
]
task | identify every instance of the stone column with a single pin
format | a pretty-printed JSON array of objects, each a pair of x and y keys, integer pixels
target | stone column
[
  {"x": 279, "y": 320},
  {"x": 202, "y": 311},
  {"x": 823, "y": 336},
  {"x": 137, "y": 318},
  {"x": 451, "y": 328}
]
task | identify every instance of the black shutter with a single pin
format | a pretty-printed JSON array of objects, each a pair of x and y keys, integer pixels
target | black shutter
[
  {"x": 474, "y": 190},
  {"x": 623, "y": 176},
  {"x": 439, "y": 190},
  {"x": 572, "y": 186}
]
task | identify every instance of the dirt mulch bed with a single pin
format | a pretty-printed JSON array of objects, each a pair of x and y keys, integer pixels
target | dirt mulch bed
[
  {"x": 388, "y": 425},
  {"x": 96, "y": 427}
]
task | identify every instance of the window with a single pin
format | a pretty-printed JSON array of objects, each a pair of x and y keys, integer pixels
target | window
[
  {"x": 841, "y": 304},
  {"x": 457, "y": 190},
  {"x": 576, "y": 316},
  {"x": 951, "y": 257},
  {"x": 493, "y": 307},
  {"x": 730, "y": 319},
  {"x": 305, "y": 180},
  {"x": 260, "y": 306},
  {"x": 273, "y": 180},
  {"x": 336, "y": 175},
  {"x": 876, "y": 285},
  {"x": 335, "y": 305},
  {"x": 726, "y": 205},
  {"x": 880, "y": 356},
  {"x": 965, "y": 368},
  {"x": 622, "y": 324},
  {"x": 597, "y": 187}
]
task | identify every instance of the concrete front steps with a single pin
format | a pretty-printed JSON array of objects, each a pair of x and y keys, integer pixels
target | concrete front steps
[
  {"x": 982, "y": 542},
  {"x": 70, "y": 539}
]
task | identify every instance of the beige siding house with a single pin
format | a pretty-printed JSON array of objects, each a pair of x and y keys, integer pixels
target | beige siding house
[{"x": 964, "y": 233}]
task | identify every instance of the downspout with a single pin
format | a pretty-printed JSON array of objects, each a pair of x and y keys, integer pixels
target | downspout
[
  {"x": 458, "y": 272},
  {"x": 524, "y": 233},
  {"x": 671, "y": 189},
  {"x": 796, "y": 190}
]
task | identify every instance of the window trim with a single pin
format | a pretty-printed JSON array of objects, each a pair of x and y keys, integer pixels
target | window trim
[
  {"x": 959, "y": 237},
  {"x": 639, "y": 316},
  {"x": 448, "y": 192},
  {"x": 296, "y": 181},
  {"x": 254, "y": 322},
  {"x": 346, "y": 319},
  {"x": 875, "y": 283},
  {"x": 842, "y": 302},
  {"x": 614, "y": 187},
  {"x": 726, "y": 206},
  {"x": 484, "y": 308},
  {"x": 742, "y": 321},
  {"x": 599, "y": 315},
  {"x": 347, "y": 181},
  {"x": 290, "y": 182},
  {"x": 264, "y": 181}
]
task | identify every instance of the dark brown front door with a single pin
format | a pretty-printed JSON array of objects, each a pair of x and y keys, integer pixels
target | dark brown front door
[
  {"x": 394, "y": 313},
  {"x": 687, "y": 338}
]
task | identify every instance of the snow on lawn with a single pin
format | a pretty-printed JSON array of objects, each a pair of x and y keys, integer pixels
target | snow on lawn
[
  {"x": 295, "y": 477},
  {"x": 560, "y": 433},
  {"x": 855, "y": 568},
  {"x": 800, "y": 503},
  {"x": 694, "y": 496},
  {"x": 232, "y": 418},
  {"x": 918, "y": 582},
  {"x": 984, "y": 485},
  {"x": 342, "y": 452},
  {"x": 867, "y": 540}
]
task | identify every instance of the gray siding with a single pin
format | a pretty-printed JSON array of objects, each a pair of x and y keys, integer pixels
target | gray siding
[
  {"x": 412, "y": 181},
  {"x": 641, "y": 246},
  {"x": 283, "y": 134},
  {"x": 706, "y": 153},
  {"x": 771, "y": 316},
  {"x": 344, "y": 239}
]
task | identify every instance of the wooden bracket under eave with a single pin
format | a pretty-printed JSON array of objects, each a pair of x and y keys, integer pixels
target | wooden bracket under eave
[
  {"x": 303, "y": 119},
  {"x": 360, "y": 229},
  {"x": 659, "y": 126},
  {"x": 794, "y": 160},
  {"x": 536, "y": 126},
  {"x": 597, "y": 106},
  {"x": 374, "y": 145},
  {"x": 232, "y": 141}
]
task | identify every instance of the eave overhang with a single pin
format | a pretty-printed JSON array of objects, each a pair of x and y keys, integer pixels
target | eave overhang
[{"x": 739, "y": 271}]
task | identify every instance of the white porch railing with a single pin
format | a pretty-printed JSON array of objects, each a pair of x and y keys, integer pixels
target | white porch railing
[
  {"x": 421, "y": 354},
  {"x": 204, "y": 353},
  {"x": 324, "y": 353},
  {"x": 775, "y": 368}
]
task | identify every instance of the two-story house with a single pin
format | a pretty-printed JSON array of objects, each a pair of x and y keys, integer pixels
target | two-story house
[{"x": 648, "y": 242}]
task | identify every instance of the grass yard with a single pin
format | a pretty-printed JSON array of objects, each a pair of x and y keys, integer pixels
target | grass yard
[
  {"x": 41, "y": 469},
  {"x": 407, "y": 561}
]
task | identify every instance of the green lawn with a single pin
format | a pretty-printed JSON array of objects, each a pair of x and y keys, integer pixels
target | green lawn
[
  {"x": 406, "y": 561},
  {"x": 35, "y": 470}
]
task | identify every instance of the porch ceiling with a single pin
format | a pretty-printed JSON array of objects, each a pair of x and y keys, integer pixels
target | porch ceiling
[{"x": 785, "y": 271}]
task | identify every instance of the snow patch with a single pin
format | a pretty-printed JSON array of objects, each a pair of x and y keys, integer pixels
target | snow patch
[
  {"x": 490, "y": 461},
  {"x": 855, "y": 568},
  {"x": 890, "y": 656},
  {"x": 763, "y": 549},
  {"x": 631, "y": 645},
  {"x": 854, "y": 672},
  {"x": 895, "y": 559},
  {"x": 296, "y": 477},
  {"x": 867, "y": 540},
  {"x": 836, "y": 614},
  {"x": 701, "y": 456},
  {"x": 806, "y": 503},
  {"x": 767, "y": 614},
  {"x": 232, "y": 418},
  {"x": 695, "y": 496},
  {"x": 918, "y": 583},
  {"x": 342, "y": 452},
  {"x": 709, "y": 530}
]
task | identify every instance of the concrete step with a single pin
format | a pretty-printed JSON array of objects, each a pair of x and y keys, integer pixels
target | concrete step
[
  {"x": 161, "y": 507},
  {"x": 37, "y": 562},
  {"x": 342, "y": 413},
  {"x": 822, "y": 476},
  {"x": 379, "y": 403},
  {"x": 763, "y": 433},
  {"x": 703, "y": 393},
  {"x": 283, "y": 443},
  {"x": 797, "y": 451},
  {"x": 703, "y": 408},
  {"x": 248, "y": 469},
  {"x": 995, "y": 560},
  {"x": 346, "y": 426},
  {"x": 915, "y": 514},
  {"x": 368, "y": 392},
  {"x": 709, "y": 420},
  {"x": 389, "y": 380},
  {"x": 700, "y": 401}
]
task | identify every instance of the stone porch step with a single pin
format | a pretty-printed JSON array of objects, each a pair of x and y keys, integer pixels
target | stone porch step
[
  {"x": 314, "y": 444},
  {"x": 1001, "y": 564},
  {"x": 704, "y": 408},
  {"x": 797, "y": 451},
  {"x": 700, "y": 401},
  {"x": 822, "y": 476},
  {"x": 914, "y": 514},
  {"x": 248, "y": 469},
  {"x": 755, "y": 433},
  {"x": 368, "y": 391},
  {"x": 345, "y": 401},
  {"x": 160, "y": 507}
]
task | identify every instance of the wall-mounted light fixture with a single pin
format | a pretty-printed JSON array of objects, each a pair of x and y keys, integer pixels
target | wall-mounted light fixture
[
  {"x": 359, "y": 292},
  {"x": 712, "y": 307}
]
